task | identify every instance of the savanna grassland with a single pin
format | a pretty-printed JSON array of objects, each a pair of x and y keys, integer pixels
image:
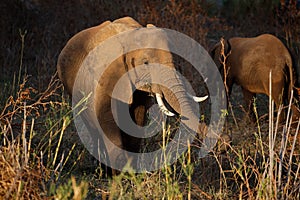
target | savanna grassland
[{"x": 41, "y": 156}]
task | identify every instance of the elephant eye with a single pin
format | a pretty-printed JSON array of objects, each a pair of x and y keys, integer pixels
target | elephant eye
[{"x": 145, "y": 61}]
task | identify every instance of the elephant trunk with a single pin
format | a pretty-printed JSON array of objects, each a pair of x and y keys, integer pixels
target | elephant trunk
[{"x": 176, "y": 95}]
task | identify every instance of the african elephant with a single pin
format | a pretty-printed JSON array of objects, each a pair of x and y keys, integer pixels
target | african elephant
[
  {"x": 248, "y": 64},
  {"x": 107, "y": 108}
]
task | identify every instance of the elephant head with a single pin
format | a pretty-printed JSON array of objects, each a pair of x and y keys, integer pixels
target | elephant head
[
  {"x": 248, "y": 63},
  {"x": 113, "y": 60},
  {"x": 219, "y": 51}
]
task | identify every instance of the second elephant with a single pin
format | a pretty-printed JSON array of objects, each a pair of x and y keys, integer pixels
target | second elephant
[{"x": 249, "y": 62}]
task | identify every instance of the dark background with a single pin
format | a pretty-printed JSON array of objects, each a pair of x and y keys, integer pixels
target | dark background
[{"x": 48, "y": 24}]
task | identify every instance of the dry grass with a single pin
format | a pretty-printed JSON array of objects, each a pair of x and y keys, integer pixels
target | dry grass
[
  {"x": 39, "y": 150},
  {"x": 32, "y": 153},
  {"x": 19, "y": 181}
]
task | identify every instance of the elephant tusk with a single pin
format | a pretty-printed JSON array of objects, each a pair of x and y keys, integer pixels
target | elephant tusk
[
  {"x": 150, "y": 26},
  {"x": 162, "y": 105},
  {"x": 198, "y": 99}
]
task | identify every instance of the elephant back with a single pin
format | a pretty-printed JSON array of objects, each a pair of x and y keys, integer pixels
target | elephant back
[{"x": 79, "y": 46}]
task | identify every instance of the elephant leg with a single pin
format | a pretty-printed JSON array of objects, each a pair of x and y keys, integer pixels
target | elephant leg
[
  {"x": 228, "y": 88},
  {"x": 113, "y": 133},
  {"x": 249, "y": 100},
  {"x": 138, "y": 115},
  {"x": 142, "y": 101},
  {"x": 283, "y": 112},
  {"x": 279, "y": 95},
  {"x": 138, "y": 112},
  {"x": 229, "y": 84}
]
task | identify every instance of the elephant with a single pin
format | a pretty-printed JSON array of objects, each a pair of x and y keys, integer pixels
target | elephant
[
  {"x": 248, "y": 62},
  {"x": 107, "y": 108}
]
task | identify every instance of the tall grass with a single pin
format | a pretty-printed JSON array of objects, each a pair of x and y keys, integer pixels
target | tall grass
[
  {"x": 266, "y": 168},
  {"x": 33, "y": 157}
]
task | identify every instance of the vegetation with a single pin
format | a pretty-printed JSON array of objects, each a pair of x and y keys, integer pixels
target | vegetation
[{"x": 41, "y": 156}]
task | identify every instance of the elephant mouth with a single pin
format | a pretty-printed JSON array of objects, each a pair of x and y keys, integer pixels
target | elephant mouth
[
  {"x": 143, "y": 86},
  {"x": 164, "y": 105}
]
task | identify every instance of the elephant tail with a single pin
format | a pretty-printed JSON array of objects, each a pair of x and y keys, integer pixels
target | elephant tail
[
  {"x": 292, "y": 81},
  {"x": 291, "y": 78}
]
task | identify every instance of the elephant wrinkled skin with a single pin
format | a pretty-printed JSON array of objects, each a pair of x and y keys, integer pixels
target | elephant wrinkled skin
[
  {"x": 248, "y": 64},
  {"x": 78, "y": 48}
]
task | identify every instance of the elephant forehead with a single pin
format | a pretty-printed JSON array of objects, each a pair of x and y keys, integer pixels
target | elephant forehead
[
  {"x": 141, "y": 54},
  {"x": 151, "y": 55},
  {"x": 144, "y": 38}
]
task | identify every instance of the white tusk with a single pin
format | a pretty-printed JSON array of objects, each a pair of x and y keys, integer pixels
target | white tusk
[
  {"x": 162, "y": 105},
  {"x": 198, "y": 99},
  {"x": 150, "y": 26}
]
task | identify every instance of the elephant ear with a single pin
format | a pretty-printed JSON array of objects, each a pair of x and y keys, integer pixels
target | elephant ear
[
  {"x": 227, "y": 46},
  {"x": 115, "y": 80},
  {"x": 105, "y": 65},
  {"x": 216, "y": 49},
  {"x": 124, "y": 87}
]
